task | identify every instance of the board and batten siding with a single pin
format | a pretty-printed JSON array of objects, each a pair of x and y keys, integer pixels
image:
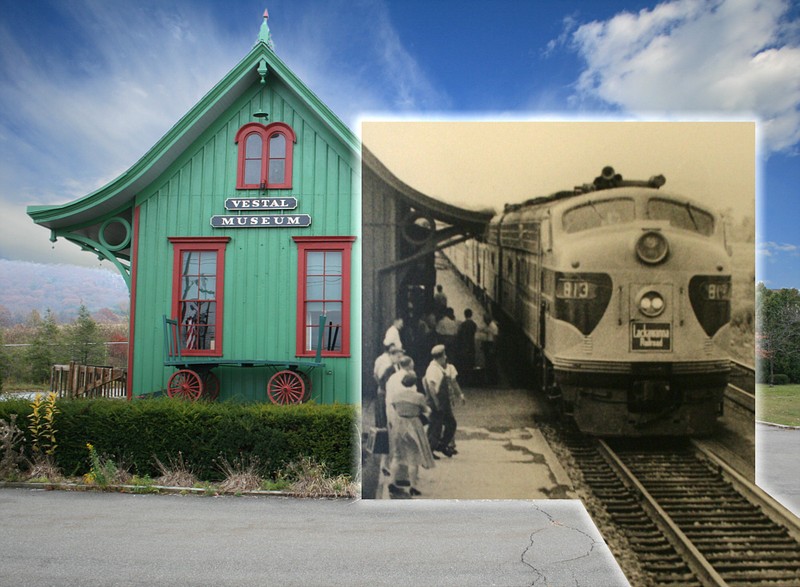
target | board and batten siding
[{"x": 260, "y": 291}]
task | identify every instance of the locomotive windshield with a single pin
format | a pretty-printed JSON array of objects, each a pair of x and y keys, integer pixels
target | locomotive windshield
[
  {"x": 599, "y": 213},
  {"x": 681, "y": 215}
]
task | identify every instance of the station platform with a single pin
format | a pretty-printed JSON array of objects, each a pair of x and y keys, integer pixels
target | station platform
[{"x": 501, "y": 454}]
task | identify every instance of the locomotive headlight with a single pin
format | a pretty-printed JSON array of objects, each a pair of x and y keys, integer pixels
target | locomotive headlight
[
  {"x": 652, "y": 247},
  {"x": 651, "y": 304}
]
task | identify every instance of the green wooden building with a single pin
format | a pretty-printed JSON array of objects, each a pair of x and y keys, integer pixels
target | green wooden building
[{"x": 240, "y": 224}]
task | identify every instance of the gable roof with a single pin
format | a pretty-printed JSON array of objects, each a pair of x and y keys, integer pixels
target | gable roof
[{"x": 120, "y": 192}]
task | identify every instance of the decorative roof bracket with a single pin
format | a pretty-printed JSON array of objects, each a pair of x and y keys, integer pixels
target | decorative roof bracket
[{"x": 103, "y": 253}]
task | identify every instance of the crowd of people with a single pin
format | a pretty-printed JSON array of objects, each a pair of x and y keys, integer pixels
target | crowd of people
[{"x": 417, "y": 387}]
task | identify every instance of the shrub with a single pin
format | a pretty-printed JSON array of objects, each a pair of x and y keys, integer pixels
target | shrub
[
  {"x": 779, "y": 379},
  {"x": 12, "y": 441},
  {"x": 204, "y": 433}
]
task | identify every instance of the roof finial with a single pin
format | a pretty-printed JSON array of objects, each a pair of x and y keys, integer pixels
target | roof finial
[{"x": 264, "y": 36}]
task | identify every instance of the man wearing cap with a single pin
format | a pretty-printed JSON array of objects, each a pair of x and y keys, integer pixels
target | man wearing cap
[{"x": 441, "y": 386}]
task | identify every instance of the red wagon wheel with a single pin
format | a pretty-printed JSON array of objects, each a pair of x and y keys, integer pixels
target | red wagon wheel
[
  {"x": 307, "y": 381},
  {"x": 185, "y": 384},
  {"x": 210, "y": 386},
  {"x": 286, "y": 387}
]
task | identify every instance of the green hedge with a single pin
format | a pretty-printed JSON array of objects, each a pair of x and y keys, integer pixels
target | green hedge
[
  {"x": 133, "y": 433},
  {"x": 778, "y": 379}
]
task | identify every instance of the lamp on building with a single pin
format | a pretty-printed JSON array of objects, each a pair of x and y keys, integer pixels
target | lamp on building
[{"x": 261, "y": 114}]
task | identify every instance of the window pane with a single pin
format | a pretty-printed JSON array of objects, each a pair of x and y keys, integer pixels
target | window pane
[
  {"x": 277, "y": 169},
  {"x": 252, "y": 171},
  {"x": 311, "y": 338},
  {"x": 189, "y": 262},
  {"x": 333, "y": 262},
  {"x": 314, "y": 290},
  {"x": 208, "y": 288},
  {"x": 208, "y": 312},
  {"x": 188, "y": 311},
  {"x": 208, "y": 263},
  {"x": 333, "y": 288},
  {"x": 315, "y": 263},
  {"x": 333, "y": 312},
  {"x": 189, "y": 289},
  {"x": 313, "y": 312},
  {"x": 333, "y": 338},
  {"x": 277, "y": 146},
  {"x": 253, "y": 146}
]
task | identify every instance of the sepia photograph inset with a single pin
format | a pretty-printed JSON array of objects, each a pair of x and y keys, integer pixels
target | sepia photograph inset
[{"x": 530, "y": 283}]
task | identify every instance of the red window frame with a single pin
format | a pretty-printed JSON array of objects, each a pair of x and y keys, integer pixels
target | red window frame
[
  {"x": 265, "y": 132},
  {"x": 313, "y": 244},
  {"x": 216, "y": 244}
]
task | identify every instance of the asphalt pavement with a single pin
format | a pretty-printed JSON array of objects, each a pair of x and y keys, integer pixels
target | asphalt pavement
[
  {"x": 777, "y": 450},
  {"x": 64, "y": 539}
]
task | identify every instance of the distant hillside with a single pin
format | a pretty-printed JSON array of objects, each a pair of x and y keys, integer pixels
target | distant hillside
[{"x": 26, "y": 286}]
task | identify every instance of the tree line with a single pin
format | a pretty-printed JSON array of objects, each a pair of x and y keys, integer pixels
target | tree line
[
  {"x": 778, "y": 335},
  {"x": 28, "y": 351}
]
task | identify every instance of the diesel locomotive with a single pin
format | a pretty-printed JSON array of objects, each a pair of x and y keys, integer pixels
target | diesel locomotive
[{"x": 622, "y": 292}]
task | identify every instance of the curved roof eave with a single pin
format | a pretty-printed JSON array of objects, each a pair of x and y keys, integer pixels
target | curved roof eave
[
  {"x": 474, "y": 220},
  {"x": 122, "y": 190}
]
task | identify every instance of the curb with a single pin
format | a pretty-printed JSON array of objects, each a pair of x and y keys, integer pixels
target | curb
[
  {"x": 159, "y": 489},
  {"x": 784, "y": 426}
]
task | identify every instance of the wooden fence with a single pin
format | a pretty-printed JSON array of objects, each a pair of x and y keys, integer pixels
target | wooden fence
[{"x": 78, "y": 381}]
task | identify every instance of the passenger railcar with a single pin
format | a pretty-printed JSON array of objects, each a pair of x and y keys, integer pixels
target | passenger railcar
[{"x": 623, "y": 295}]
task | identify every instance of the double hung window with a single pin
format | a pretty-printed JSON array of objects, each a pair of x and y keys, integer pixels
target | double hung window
[
  {"x": 198, "y": 276},
  {"x": 323, "y": 289}
]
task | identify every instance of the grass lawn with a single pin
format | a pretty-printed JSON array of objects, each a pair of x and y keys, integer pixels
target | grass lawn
[{"x": 779, "y": 404}]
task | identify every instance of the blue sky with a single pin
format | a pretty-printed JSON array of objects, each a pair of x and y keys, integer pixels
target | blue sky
[{"x": 88, "y": 86}]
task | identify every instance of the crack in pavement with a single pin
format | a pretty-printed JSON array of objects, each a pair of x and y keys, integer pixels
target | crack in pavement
[{"x": 540, "y": 574}]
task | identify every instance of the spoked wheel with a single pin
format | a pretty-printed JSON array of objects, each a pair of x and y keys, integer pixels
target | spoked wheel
[
  {"x": 185, "y": 384},
  {"x": 307, "y": 382},
  {"x": 286, "y": 387},
  {"x": 210, "y": 386}
]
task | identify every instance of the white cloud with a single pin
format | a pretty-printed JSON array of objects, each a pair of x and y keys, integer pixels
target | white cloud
[
  {"x": 684, "y": 56},
  {"x": 78, "y": 110},
  {"x": 773, "y": 249}
]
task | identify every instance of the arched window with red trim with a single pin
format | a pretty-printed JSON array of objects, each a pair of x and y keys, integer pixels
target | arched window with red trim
[{"x": 265, "y": 156}]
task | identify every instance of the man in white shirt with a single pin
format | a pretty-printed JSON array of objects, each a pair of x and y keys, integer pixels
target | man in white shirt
[
  {"x": 392, "y": 335},
  {"x": 441, "y": 386}
]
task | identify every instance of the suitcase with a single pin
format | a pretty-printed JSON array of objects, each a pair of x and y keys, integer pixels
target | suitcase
[{"x": 378, "y": 441}]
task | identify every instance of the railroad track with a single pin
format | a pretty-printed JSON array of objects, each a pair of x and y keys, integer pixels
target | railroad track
[
  {"x": 742, "y": 386},
  {"x": 688, "y": 517}
]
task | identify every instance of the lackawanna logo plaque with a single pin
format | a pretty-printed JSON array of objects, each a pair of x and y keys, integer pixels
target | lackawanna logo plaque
[
  {"x": 262, "y": 221},
  {"x": 651, "y": 336}
]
